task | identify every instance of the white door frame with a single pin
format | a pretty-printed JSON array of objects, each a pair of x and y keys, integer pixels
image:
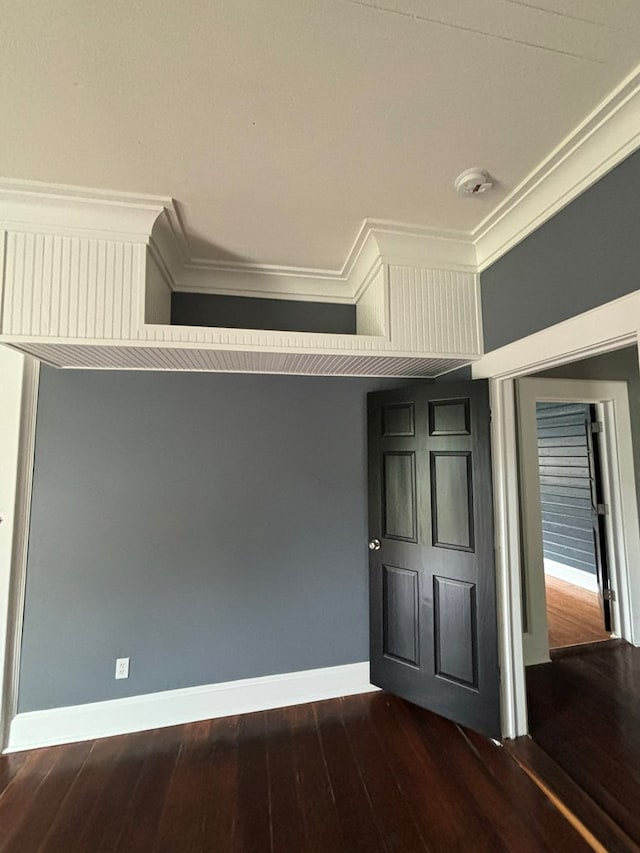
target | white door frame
[
  {"x": 621, "y": 522},
  {"x": 611, "y": 326},
  {"x": 19, "y": 377}
]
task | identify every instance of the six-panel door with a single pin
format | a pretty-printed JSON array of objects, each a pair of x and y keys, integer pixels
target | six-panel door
[{"x": 432, "y": 582}]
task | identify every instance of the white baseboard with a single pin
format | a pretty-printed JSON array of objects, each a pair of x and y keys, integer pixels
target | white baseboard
[
  {"x": 172, "y": 707},
  {"x": 575, "y": 576}
]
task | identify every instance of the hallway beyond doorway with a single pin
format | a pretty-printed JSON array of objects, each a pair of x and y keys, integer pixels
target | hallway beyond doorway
[{"x": 573, "y": 614}]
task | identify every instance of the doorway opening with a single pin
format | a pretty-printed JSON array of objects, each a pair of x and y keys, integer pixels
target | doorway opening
[
  {"x": 576, "y": 507},
  {"x": 572, "y": 504},
  {"x": 577, "y": 475}
]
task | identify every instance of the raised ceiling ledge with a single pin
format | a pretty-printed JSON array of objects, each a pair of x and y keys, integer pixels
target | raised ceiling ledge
[{"x": 87, "y": 281}]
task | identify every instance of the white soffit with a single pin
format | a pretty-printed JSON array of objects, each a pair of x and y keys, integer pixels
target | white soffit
[{"x": 192, "y": 359}]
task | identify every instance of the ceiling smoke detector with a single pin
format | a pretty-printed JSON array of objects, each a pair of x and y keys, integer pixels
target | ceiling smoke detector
[{"x": 473, "y": 182}]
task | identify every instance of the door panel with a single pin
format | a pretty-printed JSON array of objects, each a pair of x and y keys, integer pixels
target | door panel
[
  {"x": 399, "y": 495},
  {"x": 455, "y": 629},
  {"x": 400, "y": 614},
  {"x": 432, "y": 581},
  {"x": 398, "y": 420},
  {"x": 451, "y": 499}
]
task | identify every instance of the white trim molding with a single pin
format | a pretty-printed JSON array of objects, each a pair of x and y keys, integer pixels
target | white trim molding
[
  {"x": 610, "y": 326},
  {"x": 599, "y": 143},
  {"x": 173, "y": 707},
  {"x": 20, "y": 379},
  {"x": 73, "y": 211},
  {"x": 509, "y": 612},
  {"x": 376, "y": 241},
  {"x": 605, "y": 137}
]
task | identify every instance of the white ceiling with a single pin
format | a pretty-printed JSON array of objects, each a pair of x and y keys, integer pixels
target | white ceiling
[{"x": 280, "y": 125}]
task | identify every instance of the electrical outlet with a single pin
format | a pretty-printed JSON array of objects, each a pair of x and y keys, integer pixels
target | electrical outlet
[{"x": 122, "y": 668}]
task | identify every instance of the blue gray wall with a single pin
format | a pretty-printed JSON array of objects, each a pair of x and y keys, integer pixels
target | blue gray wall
[
  {"x": 586, "y": 255},
  {"x": 211, "y": 527},
  {"x": 244, "y": 312}
]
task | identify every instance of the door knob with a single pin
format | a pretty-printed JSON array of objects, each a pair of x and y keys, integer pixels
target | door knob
[{"x": 374, "y": 545}]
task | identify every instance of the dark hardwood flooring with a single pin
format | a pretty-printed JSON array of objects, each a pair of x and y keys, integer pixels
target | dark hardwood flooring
[
  {"x": 365, "y": 773},
  {"x": 573, "y": 614},
  {"x": 584, "y": 712}
]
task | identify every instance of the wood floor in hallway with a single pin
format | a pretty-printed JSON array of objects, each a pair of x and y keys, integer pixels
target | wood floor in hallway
[
  {"x": 573, "y": 614},
  {"x": 366, "y": 773},
  {"x": 584, "y": 712}
]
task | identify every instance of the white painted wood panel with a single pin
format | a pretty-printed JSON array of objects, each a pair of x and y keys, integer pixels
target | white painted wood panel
[
  {"x": 372, "y": 306},
  {"x": 433, "y": 310},
  {"x": 72, "y": 287},
  {"x": 157, "y": 292},
  {"x": 84, "y": 288},
  {"x": 262, "y": 338},
  {"x": 93, "y": 356}
]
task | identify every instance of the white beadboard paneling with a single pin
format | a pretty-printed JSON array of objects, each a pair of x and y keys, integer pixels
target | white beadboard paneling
[
  {"x": 433, "y": 310},
  {"x": 82, "y": 301},
  {"x": 3, "y": 289},
  {"x": 95, "y": 356},
  {"x": 72, "y": 287},
  {"x": 157, "y": 292},
  {"x": 264, "y": 338},
  {"x": 371, "y": 307}
]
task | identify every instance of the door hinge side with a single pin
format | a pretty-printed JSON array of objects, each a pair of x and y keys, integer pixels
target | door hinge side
[
  {"x": 602, "y": 509},
  {"x": 608, "y": 595},
  {"x": 596, "y": 427}
]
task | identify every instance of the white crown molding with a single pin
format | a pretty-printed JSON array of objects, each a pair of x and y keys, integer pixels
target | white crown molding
[
  {"x": 599, "y": 143},
  {"x": 252, "y": 282},
  {"x": 377, "y": 241},
  {"x": 32, "y": 206},
  {"x": 36, "y": 729},
  {"x": 609, "y": 134}
]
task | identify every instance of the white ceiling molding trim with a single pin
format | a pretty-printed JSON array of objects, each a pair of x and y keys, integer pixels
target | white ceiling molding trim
[
  {"x": 604, "y": 139},
  {"x": 599, "y": 143},
  {"x": 34, "y": 207},
  {"x": 393, "y": 241}
]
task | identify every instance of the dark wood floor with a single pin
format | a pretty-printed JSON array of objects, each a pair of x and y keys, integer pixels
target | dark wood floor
[
  {"x": 365, "y": 773},
  {"x": 573, "y": 614},
  {"x": 584, "y": 711}
]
